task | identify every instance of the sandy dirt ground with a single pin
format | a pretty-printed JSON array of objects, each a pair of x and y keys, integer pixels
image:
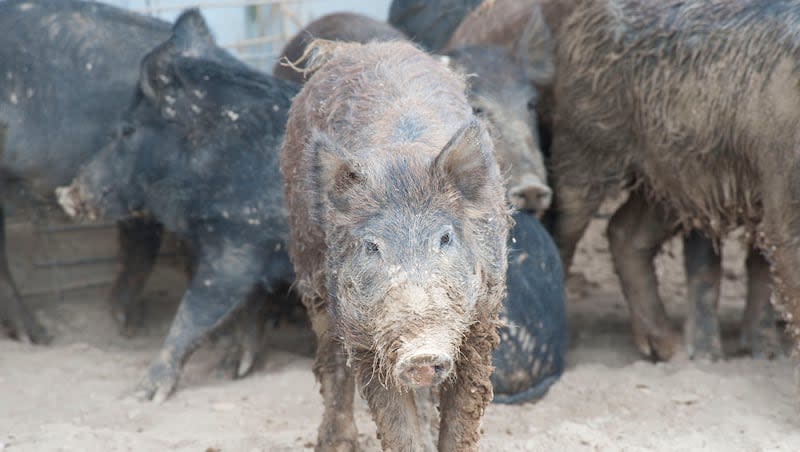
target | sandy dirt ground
[{"x": 75, "y": 394}]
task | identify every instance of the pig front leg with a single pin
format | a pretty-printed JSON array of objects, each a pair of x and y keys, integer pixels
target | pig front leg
[
  {"x": 403, "y": 416},
  {"x": 246, "y": 338},
  {"x": 337, "y": 431},
  {"x": 703, "y": 276},
  {"x": 778, "y": 239},
  {"x": 139, "y": 241},
  {"x": 635, "y": 234},
  {"x": 759, "y": 334},
  {"x": 463, "y": 400},
  {"x": 214, "y": 293},
  {"x": 14, "y": 314}
]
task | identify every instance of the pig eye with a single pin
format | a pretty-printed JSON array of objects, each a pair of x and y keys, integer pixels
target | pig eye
[
  {"x": 127, "y": 130},
  {"x": 445, "y": 239},
  {"x": 371, "y": 247},
  {"x": 532, "y": 105},
  {"x": 478, "y": 111}
]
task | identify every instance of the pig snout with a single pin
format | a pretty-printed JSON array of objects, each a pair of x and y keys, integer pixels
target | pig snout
[
  {"x": 74, "y": 200},
  {"x": 424, "y": 369},
  {"x": 530, "y": 193}
]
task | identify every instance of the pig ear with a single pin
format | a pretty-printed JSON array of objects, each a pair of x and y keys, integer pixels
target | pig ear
[
  {"x": 190, "y": 37},
  {"x": 535, "y": 49},
  {"x": 333, "y": 174},
  {"x": 191, "y": 34},
  {"x": 468, "y": 163}
]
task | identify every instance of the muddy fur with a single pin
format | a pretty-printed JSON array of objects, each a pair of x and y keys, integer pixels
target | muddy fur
[
  {"x": 698, "y": 103},
  {"x": 346, "y": 27},
  {"x": 398, "y": 230}
]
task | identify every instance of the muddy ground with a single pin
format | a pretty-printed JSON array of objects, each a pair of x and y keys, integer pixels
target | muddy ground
[{"x": 75, "y": 394}]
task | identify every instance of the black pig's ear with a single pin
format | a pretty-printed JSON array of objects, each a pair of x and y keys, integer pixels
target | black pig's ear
[
  {"x": 191, "y": 34},
  {"x": 535, "y": 49},
  {"x": 190, "y": 37},
  {"x": 334, "y": 175},
  {"x": 468, "y": 163}
]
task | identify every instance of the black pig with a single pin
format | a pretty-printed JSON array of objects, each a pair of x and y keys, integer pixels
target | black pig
[{"x": 198, "y": 151}]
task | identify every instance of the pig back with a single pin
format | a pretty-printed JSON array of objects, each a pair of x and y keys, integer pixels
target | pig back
[{"x": 655, "y": 90}]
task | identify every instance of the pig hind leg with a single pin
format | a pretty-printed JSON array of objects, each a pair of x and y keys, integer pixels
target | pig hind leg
[
  {"x": 248, "y": 335},
  {"x": 211, "y": 299},
  {"x": 759, "y": 334},
  {"x": 139, "y": 241},
  {"x": 14, "y": 314},
  {"x": 337, "y": 431},
  {"x": 635, "y": 234},
  {"x": 703, "y": 275}
]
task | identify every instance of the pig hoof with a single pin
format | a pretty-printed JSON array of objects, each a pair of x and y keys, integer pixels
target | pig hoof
[
  {"x": 762, "y": 344},
  {"x": 704, "y": 345},
  {"x": 129, "y": 321},
  {"x": 28, "y": 331},
  {"x": 245, "y": 364},
  {"x": 658, "y": 347},
  {"x": 337, "y": 446},
  {"x": 705, "y": 351},
  {"x": 237, "y": 362},
  {"x": 158, "y": 384},
  {"x": 38, "y": 335}
]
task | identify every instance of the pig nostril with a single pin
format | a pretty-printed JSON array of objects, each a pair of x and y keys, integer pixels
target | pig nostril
[
  {"x": 531, "y": 197},
  {"x": 424, "y": 370}
]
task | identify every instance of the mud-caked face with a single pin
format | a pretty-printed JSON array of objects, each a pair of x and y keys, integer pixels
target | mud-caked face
[
  {"x": 422, "y": 249},
  {"x": 408, "y": 285},
  {"x": 403, "y": 261}
]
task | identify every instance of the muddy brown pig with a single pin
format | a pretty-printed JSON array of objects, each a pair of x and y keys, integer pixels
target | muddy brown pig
[
  {"x": 398, "y": 229},
  {"x": 498, "y": 90},
  {"x": 651, "y": 93},
  {"x": 524, "y": 26}
]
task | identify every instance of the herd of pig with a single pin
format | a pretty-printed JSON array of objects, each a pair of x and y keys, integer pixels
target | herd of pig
[{"x": 392, "y": 177}]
